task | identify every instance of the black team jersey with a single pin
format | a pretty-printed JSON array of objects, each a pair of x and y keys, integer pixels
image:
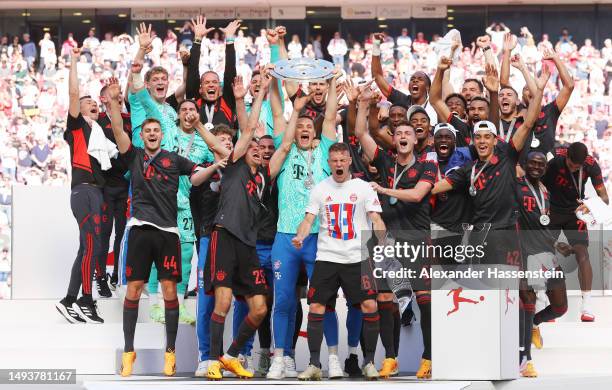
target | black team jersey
[
  {"x": 115, "y": 177},
  {"x": 85, "y": 169},
  {"x": 209, "y": 193},
  {"x": 495, "y": 201},
  {"x": 405, "y": 215},
  {"x": 535, "y": 237},
  {"x": 155, "y": 184},
  {"x": 241, "y": 203},
  {"x": 269, "y": 219},
  {"x": 453, "y": 208},
  {"x": 563, "y": 190}
]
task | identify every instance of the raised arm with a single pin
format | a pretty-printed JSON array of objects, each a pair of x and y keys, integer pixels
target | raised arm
[
  {"x": 239, "y": 92},
  {"x": 179, "y": 94},
  {"x": 522, "y": 133},
  {"x": 193, "y": 82},
  {"x": 361, "y": 124},
  {"x": 568, "y": 81},
  {"x": 491, "y": 83},
  {"x": 212, "y": 142},
  {"x": 278, "y": 51},
  {"x": 509, "y": 45},
  {"x": 144, "y": 41},
  {"x": 278, "y": 158},
  {"x": 517, "y": 62},
  {"x": 331, "y": 108},
  {"x": 435, "y": 92},
  {"x": 121, "y": 137},
  {"x": 230, "y": 62},
  {"x": 377, "y": 70},
  {"x": 484, "y": 43},
  {"x": 246, "y": 135},
  {"x": 74, "y": 106},
  {"x": 276, "y": 104}
]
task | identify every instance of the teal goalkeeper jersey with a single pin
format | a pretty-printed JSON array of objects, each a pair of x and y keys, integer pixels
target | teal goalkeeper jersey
[{"x": 293, "y": 194}]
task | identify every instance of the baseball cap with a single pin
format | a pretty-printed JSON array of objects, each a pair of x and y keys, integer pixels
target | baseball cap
[
  {"x": 416, "y": 108},
  {"x": 445, "y": 126},
  {"x": 485, "y": 126}
]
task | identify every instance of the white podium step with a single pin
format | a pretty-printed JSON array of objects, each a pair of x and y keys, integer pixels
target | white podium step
[{"x": 27, "y": 311}]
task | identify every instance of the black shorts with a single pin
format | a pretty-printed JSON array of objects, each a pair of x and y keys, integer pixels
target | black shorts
[
  {"x": 233, "y": 264},
  {"x": 327, "y": 277},
  {"x": 147, "y": 245},
  {"x": 574, "y": 229}
]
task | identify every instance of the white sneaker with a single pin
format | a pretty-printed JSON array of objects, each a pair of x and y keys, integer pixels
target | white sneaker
[
  {"x": 311, "y": 373},
  {"x": 334, "y": 370},
  {"x": 250, "y": 367},
  {"x": 277, "y": 368},
  {"x": 229, "y": 374},
  {"x": 370, "y": 372},
  {"x": 202, "y": 369},
  {"x": 290, "y": 370}
]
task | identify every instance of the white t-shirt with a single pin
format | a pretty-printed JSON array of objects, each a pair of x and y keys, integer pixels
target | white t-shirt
[{"x": 343, "y": 220}]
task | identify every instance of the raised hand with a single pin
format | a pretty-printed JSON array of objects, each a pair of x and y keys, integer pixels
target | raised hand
[
  {"x": 549, "y": 54},
  {"x": 199, "y": 27},
  {"x": 444, "y": 63},
  {"x": 76, "y": 53},
  {"x": 483, "y": 41},
  {"x": 266, "y": 78},
  {"x": 300, "y": 102},
  {"x": 491, "y": 78},
  {"x": 366, "y": 95},
  {"x": 136, "y": 67},
  {"x": 517, "y": 62},
  {"x": 272, "y": 36},
  {"x": 144, "y": 35},
  {"x": 231, "y": 28},
  {"x": 509, "y": 42},
  {"x": 113, "y": 88},
  {"x": 238, "y": 87},
  {"x": 380, "y": 36},
  {"x": 185, "y": 55},
  {"x": 350, "y": 89},
  {"x": 281, "y": 31},
  {"x": 543, "y": 79}
]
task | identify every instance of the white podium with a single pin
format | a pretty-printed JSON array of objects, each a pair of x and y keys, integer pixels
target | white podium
[{"x": 474, "y": 333}]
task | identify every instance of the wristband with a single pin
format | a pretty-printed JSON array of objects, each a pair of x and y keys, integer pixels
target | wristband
[
  {"x": 230, "y": 39},
  {"x": 376, "y": 48},
  {"x": 486, "y": 48},
  {"x": 197, "y": 41}
]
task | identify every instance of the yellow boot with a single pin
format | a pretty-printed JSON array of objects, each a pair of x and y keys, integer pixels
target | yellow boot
[
  {"x": 169, "y": 364},
  {"x": 424, "y": 371},
  {"x": 233, "y": 365},
  {"x": 127, "y": 363},
  {"x": 389, "y": 368},
  {"x": 536, "y": 338}
]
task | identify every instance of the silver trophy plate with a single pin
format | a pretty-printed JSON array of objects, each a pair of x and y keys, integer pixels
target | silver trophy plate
[{"x": 303, "y": 69}]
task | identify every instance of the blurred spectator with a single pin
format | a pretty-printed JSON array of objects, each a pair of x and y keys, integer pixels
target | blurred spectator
[
  {"x": 29, "y": 50},
  {"x": 170, "y": 44},
  {"x": 403, "y": 43},
  {"x": 337, "y": 49},
  {"x": 317, "y": 46},
  {"x": 186, "y": 35},
  {"x": 68, "y": 45},
  {"x": 295, "y": 47},
  {"x": 47, "y": 52}
]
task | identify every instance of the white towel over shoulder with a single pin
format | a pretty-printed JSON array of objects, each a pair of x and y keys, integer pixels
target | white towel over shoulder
[{"x": 100, "y": 147}]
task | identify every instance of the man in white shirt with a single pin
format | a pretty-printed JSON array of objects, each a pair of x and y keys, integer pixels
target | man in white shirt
[
  {"x": 346, "y": 208},
  {"x": 337, "y": 49}
]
